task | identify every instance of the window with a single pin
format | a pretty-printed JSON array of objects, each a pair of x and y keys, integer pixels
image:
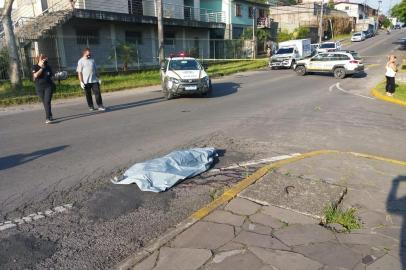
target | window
[
  {"x": 169, "y": 38},
  {"x": 238, "y": 11},
  {"x": 133, "y": 37},
  {"x": 261, "y": 13},
  {"x": 251, "y": 12},
  {"x": 185, "y": 64},
  {"x": 87, "y": 37},
  {"x": 347, "y": 8}
]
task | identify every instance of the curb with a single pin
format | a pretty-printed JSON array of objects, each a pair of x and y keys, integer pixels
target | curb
[
  {"x": 227, "y": 196},
  {"x": 380, "y": 96}
]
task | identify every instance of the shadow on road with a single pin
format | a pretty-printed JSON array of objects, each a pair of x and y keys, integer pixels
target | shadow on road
[
  {"x": 8, "y": 162},
  {"x": 397, "y": 206},
  {"x": 224, "y": 89},
  {"x": 113, "y": 108}
]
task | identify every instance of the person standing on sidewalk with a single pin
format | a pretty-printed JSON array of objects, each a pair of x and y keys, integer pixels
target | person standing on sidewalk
[
  {"x": 89, "y": 82},
  {"x": 391, "y": 69},
  {"x": 44, "y": 86}
]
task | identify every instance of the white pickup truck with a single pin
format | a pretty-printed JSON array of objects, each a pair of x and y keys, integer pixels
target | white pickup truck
[{"x": 290, "y": 52}]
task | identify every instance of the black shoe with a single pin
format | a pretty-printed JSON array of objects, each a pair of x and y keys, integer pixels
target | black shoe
[{"x": 92, "y": 109}]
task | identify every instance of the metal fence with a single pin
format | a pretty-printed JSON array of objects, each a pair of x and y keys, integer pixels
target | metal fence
[{"x": 124, "y": 55}]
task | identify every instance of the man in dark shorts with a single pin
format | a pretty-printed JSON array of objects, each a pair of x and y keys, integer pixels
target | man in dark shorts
[{"x": 89, "y": 82}]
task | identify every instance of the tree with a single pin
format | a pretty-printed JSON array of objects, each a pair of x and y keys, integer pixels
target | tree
[
  {"x": 399, "y": 11},
  {"x": 386, "y": 23},
  {"x": 301, "y": 32},
  {"x": 284, "y": 36},
  {"x": 14, "y": 60},
  {"x": 261, "y": 34},
  {"x": 330, "y": 4},
  {"x": 126, "y": 53}
]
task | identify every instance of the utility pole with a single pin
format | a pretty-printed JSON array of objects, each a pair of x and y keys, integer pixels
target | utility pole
[
  {"x": 254, "y": 47},
  {"x": 160, "y": 32},
  {"x": 321, "y": 23}
]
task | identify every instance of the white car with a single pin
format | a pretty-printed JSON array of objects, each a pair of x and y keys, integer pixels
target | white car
[
  {"x": 341, "y": 64},
  {"x": 184, "y": 75},
  {"x": 330, "y": 46},
  {"x": 358, "y": 36}
]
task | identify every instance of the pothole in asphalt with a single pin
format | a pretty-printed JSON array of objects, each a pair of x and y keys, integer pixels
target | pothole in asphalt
[{"x": 21, "y": 252}]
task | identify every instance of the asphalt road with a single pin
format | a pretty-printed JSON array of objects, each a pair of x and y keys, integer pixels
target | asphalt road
[{"x": 251, "y": 115}]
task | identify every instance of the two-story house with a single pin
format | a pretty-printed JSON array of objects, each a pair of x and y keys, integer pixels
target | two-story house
[
  {"x": 63, "y": 28},
  {"x": 363, "y": 16},
  {"x": 242, "y": 14}
]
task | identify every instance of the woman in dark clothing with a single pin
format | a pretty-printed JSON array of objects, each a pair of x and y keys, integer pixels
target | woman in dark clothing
[{"x": 44, "y": 86}]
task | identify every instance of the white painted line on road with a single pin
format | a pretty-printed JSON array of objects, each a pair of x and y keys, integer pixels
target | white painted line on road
[
  {"x": 354, "y": 94},
  {"x": 256, "y": 162},
  {"x": 33, "y": 217}
]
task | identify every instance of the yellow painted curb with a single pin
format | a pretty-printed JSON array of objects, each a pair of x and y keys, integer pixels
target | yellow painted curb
[
  {"x": 380, "y": 96},
  {"x": 394, "y": 161},
  {"x": 232, "y": 192},
  {"x": 227, "y": 196}
]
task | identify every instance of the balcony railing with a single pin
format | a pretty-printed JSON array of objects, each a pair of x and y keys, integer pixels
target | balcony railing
[{"x": 174, "y": 11}]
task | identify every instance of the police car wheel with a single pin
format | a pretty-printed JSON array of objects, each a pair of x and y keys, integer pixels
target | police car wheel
[
  {"x": 339, "y": 73},
  {"x": 169, "y": 95}
]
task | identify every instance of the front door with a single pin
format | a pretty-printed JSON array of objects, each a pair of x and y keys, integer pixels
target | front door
[{"x": 316, "y": 63}]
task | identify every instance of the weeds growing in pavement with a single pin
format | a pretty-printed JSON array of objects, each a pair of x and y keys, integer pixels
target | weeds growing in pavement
[{"x": 346, "y": 218}]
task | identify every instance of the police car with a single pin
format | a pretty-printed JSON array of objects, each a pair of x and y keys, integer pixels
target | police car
[{"x": 182, "y": 75}]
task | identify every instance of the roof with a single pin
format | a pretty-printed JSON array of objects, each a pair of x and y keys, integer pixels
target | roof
[{"x": 352, "y": 3}]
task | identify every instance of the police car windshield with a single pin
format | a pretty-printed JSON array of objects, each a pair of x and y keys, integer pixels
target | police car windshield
[
  {"x": 284, "y": 50},
  {"x": 184, "y": 64}
]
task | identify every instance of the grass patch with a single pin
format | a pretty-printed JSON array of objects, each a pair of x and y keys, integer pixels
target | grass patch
[
  {"x": 343, "y": 36},
  {"x": 400, "y": 91},
  {"x": 110, "y": 83},
  {"x": 346, "y": 218}
]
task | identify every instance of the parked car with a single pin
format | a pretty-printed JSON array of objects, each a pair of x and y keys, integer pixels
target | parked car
[
  {"x": 367, "y": 34},
  {"x": 184, "y": 75},
  {"x": 397, "y": 26},
  {"x": 290, "y": 52},
  {"x": 329, "y": 46},
  {"x": 358, "y": 36},
  {"x": 340, "y": 63}
]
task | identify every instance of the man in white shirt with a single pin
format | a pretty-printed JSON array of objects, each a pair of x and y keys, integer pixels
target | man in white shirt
[{"x": 89, "y": 82}]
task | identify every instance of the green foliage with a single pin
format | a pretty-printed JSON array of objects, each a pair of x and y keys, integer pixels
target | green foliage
[
  {"x": 301, "y": 32},
  {"x": 386, "y": 23},
  {"x": 346, "y": 218},
  {"x": 127, "y": 54},
  {"x": 260, "y": 34},
  {"x": 330, "y": 4},
  {"x": 399, "y": 11},
  {"x": 284, "y": 36}
]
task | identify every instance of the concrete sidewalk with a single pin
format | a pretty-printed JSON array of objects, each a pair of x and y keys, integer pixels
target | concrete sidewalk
[{"x": 274, "y": 223}]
